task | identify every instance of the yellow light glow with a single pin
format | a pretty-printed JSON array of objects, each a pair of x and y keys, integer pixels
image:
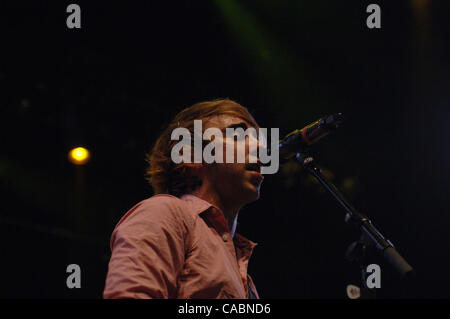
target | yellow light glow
[{"x": 79, "y": 156}]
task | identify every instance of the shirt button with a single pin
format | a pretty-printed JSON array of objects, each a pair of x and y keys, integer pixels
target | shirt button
[{"x": 225, "y": 237}]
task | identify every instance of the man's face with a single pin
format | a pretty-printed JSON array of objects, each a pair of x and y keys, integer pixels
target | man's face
[{"x": 236, "y": 183}]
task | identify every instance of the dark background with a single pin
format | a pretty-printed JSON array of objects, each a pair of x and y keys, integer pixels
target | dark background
[{"x": 114, "y": 84}]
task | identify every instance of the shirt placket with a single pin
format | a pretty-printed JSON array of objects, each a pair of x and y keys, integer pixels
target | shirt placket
[
  {"x": 243, "y": 256},
  {"x": 220, "y": 224}
]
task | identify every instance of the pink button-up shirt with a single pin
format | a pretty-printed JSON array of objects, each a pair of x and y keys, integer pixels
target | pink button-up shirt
[{"x": 170, "y": 247}]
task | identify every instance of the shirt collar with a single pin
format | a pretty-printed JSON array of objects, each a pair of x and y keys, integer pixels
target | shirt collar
[{"x": 200, "y": 205}]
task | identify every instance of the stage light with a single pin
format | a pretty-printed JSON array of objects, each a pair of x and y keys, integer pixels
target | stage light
[{"x": 79, "y": 156}]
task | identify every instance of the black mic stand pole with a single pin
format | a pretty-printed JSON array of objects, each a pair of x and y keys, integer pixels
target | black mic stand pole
[{"x": 370, "y": 234}]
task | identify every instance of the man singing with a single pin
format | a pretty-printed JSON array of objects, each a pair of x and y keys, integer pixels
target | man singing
[{"x": 181, "y": 243}]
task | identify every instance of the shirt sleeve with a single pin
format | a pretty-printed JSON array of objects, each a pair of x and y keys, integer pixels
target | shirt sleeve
[{"x": 147, "y": 252}]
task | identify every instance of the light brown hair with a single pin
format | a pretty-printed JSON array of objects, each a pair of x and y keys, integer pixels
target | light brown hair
[{"x": 163, "y": 174}]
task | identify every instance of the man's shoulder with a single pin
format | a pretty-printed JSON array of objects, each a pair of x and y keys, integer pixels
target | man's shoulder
[
  {"x": 155, "y": 215},
  {"x": 163, "y": 200},
  {"x": 160, "y": 204},
  {"x": 158, "y": 207},
  {"x": 187, "y": 204}
]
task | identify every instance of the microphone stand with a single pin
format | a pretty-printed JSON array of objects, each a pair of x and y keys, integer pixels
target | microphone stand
[{"x": 370, "y": 237}]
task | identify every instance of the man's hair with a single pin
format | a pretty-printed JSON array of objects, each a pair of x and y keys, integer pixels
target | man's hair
[{"x": 163, "y": 174}]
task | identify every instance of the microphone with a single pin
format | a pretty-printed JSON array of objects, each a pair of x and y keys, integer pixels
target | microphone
[{"x": 295, "y": 141}]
